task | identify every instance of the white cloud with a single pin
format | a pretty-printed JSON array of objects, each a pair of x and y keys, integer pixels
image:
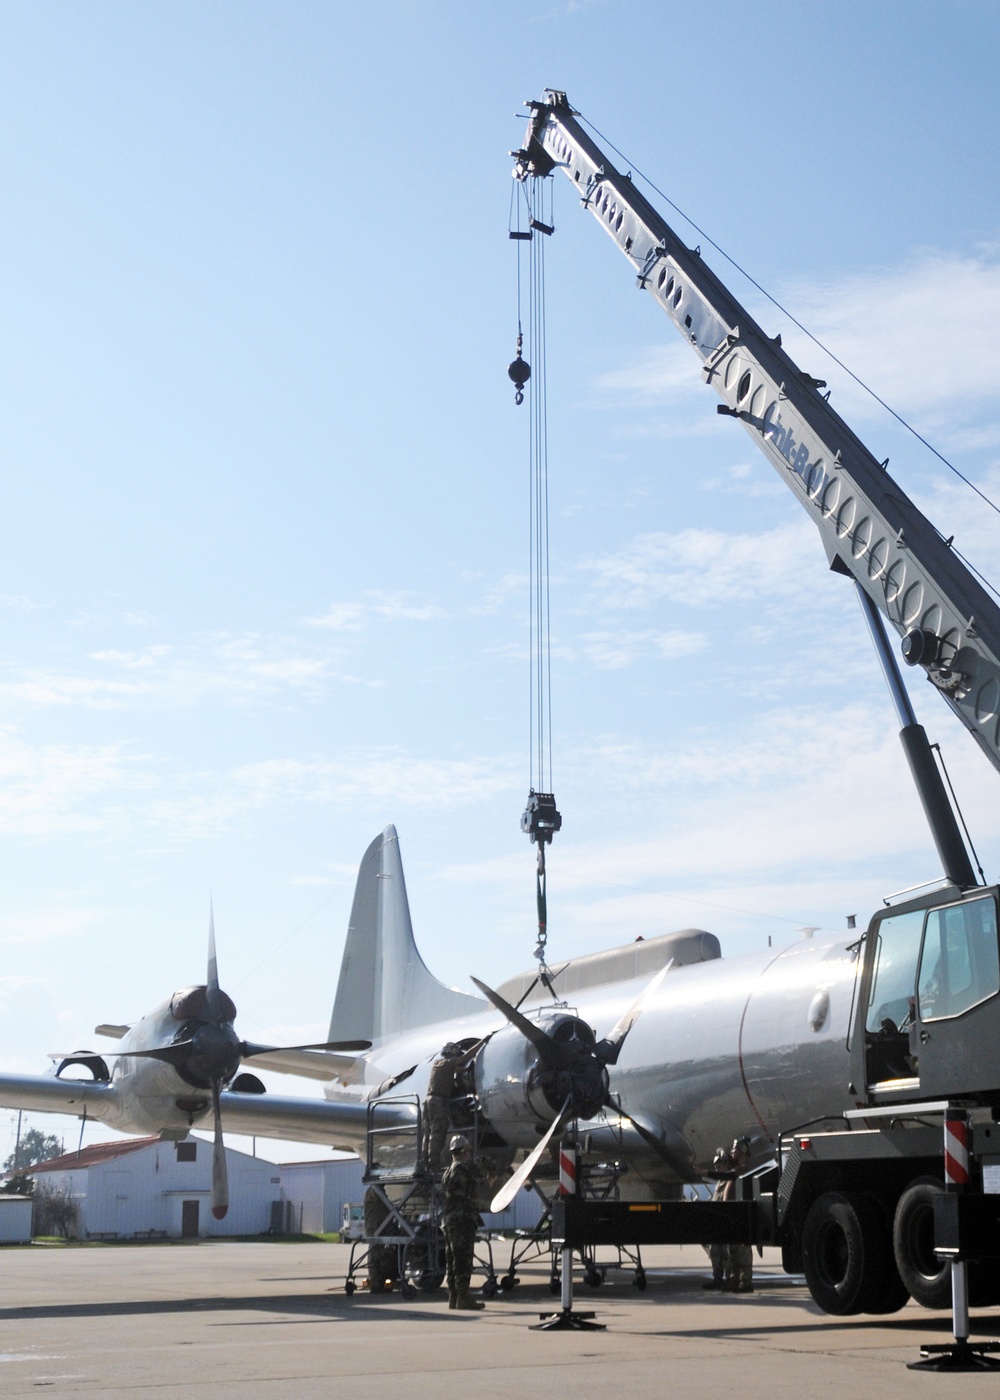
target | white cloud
[
  {"x": 12, "y": 983},
  {"x": 613, "y": 651},
  {"x": 393, "y": 606},
  {"x": 231, "y": 669},
  {"x": 45, "y": 789},
  {"x": 699, "y": 567},
  {"x": 925, "y": 336},
  {"x": 659, "y": 374}
]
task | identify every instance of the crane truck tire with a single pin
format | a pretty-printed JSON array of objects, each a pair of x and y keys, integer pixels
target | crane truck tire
[
  {"x": 847, "y": 1257},
  {"x": 927, "y": 1277}
]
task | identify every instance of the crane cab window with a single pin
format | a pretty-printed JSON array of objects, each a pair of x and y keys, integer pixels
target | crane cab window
[
  {"x": 891, "y": 997},
  {"x": 959, "y": 964},
  {"x": 894, "y": 973}
]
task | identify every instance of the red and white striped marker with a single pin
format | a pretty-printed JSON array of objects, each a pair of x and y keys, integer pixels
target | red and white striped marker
[
  {"x": 567, "y": 1169},
  {"x": 956, "y": 1150}
]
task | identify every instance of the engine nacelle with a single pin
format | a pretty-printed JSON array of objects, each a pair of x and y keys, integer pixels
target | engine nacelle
[{"x": 519, "y": 1096}]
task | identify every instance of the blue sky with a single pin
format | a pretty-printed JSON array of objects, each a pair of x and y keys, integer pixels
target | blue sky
[{"x": 264, "y": 537}]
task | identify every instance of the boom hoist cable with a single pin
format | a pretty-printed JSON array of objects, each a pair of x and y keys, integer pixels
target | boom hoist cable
[{"x": 540, "y": 819}]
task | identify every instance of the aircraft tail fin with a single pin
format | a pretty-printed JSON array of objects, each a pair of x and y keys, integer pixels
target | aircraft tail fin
[{"x": 385, "y": 987}]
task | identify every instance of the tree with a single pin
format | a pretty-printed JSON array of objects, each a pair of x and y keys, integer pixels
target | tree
[
  {"x": 33, "y": 1147},
  {"x": 54, "y": 1213},
  {"x": 19, "y": 1184}
]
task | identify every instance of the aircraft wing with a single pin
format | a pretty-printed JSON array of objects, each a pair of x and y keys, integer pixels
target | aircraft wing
[
  {"x": 313, "y": 1064},
  {"x": 42, "y": 1093},
  {"x": 341, "y": 1125}
]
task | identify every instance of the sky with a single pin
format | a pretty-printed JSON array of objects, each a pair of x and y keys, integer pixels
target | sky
[{"x": 264, "y": 537}]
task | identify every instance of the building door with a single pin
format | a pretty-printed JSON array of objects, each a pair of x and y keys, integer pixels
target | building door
[{"x": 189, "y": 1220}]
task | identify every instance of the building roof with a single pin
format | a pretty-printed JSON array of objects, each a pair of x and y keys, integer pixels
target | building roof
[{"x": 91, "y": 1156}]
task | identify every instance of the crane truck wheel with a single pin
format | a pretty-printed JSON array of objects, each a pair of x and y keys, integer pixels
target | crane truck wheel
[
  {"x": 846, "y": 1254},
  {"x": 927, "y": 1277}
]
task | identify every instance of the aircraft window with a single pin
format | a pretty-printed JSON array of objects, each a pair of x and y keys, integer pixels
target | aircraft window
[
  {"x": 959, "y": 965},
  {"x": 894, "y": 974},
  {"x": 187, "y": 1151}
]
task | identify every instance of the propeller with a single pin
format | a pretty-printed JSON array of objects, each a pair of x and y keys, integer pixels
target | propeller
[
  {"x": 572, "y": 1062},
  {"x": 513, "y": 1184},
  {"x": 207, "y": 1053}
]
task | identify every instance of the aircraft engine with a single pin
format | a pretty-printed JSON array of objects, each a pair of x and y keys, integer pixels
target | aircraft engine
[{"x": 522, "y": 1090}]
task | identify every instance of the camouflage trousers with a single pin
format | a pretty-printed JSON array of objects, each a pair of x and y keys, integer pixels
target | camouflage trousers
[
  {"x": 732, "y": 1265},
  {"x": 437, "y": 1125},
  {"x": 719, "y": 1255},
  {"x": 460, "y": 1247},
  {"x": 741, "y": 1265}
]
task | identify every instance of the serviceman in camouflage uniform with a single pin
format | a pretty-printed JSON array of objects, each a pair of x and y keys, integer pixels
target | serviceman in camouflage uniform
[
  {"x": 722, "y": 1164},
  {"x": 437, "y": 1102},
  {"x": 460, "y": 1219},
  {"x": 740, "y": 1255}
]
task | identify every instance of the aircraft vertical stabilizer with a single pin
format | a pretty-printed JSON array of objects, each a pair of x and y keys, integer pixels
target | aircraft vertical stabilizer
[{"x": 385, "y": 987}]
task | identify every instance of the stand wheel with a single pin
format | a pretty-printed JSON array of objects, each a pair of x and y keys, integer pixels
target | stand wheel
[
  {"x": 555, "y": 1287},
  {"x": 640, "y": 1280},
  {"x": 407, "y": 1290},
  {"x": 490, "y": 1287},
  {"x": 508, "y": 1282},
  {"x": 593, "y": 1278},
  {"x": 349, "y": 1287}
]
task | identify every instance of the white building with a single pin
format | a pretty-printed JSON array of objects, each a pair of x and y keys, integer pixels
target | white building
[
  {"x": 154, "y": 1187},
  {"x": 15, "y": 1219},
  {"x": 318, "y": 1191}
]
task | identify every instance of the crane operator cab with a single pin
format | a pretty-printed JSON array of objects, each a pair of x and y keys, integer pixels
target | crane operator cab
[{"x": 929, "y": 1000}]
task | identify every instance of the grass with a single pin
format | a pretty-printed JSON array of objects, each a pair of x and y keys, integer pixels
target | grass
[{"x": 57, "y": 1241}]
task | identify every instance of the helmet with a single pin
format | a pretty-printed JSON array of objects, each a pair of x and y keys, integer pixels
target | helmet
[
  {"x": 741, "y": 1147},
  {"x": 722, "y": 1160},
  {"x": 458, "y": 1143},
  {"x": 450, "y": 1050}
]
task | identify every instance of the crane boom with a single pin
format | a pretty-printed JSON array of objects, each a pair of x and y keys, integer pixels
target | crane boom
[{"x": 870, "y": 528}]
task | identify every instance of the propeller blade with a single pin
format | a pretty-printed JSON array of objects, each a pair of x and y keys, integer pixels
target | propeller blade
[
  {"x": 249, "y": 1048},
  {"x": 513, "y": 1184},
  {"x": 220, "y": 1179},
  {"x": 388, "y": 1084},
  {"x": 611, "y": 1047},
  {"x": 659, "y": 1147},
  {"x": 175, "y": 1054},
  {"x": 549, "y": 1052},
  {"x": 212, "y": 998}
]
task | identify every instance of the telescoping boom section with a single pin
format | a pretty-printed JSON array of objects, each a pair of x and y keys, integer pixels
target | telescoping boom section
[{"x": 870, "y": 528}]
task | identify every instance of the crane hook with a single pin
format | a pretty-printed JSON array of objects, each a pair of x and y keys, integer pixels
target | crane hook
[{"x": 519, "y": 371}]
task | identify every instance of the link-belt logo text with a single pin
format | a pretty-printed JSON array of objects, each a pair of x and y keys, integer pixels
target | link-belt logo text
[{"x": 796, "y": 454}]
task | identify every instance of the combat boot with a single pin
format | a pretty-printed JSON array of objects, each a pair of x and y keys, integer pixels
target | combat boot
[
  {"x": 452, "y": 1298},
  {"x": 466, "y": 1303}
]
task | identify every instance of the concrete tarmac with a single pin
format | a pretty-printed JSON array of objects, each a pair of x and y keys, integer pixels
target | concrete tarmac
[{"x": 228, "y": 1321}]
